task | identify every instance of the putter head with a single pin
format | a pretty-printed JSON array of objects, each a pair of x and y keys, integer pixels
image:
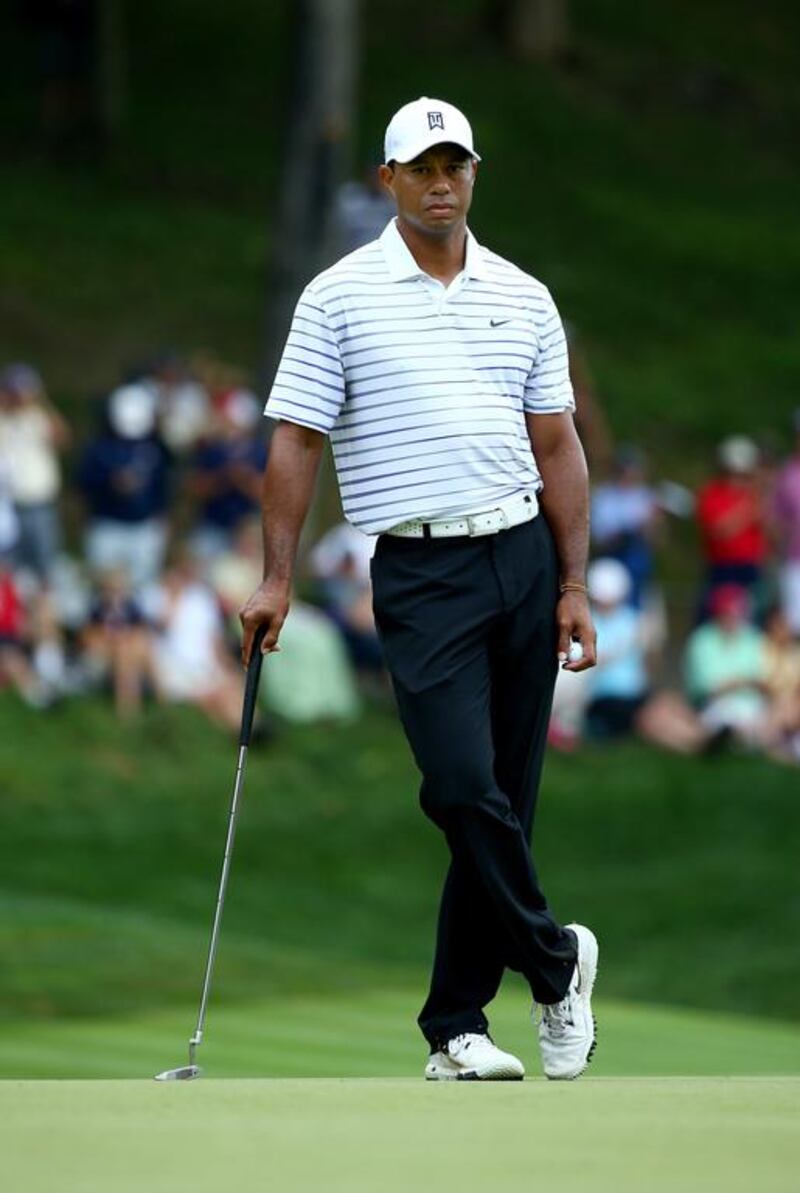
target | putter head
[{"x": 186, "y": 1073}]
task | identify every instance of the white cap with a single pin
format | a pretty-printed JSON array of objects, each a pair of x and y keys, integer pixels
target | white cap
[
  {"x": 738, "y": 454},
  {"x": 423, "y": 123},
  {"x": 242, "y": 409},
  {"x": 608, "y": 581},
  {"x": 132, "y": 411}
]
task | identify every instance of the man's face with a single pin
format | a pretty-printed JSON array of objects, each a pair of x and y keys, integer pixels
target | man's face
[{"x": 433, "y": 192}]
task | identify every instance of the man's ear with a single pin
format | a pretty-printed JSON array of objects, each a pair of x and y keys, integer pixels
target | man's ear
[{"x": 386, "y": 176}]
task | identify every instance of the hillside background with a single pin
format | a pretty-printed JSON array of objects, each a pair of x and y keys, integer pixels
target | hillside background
[{"x": 649, "y": 176}]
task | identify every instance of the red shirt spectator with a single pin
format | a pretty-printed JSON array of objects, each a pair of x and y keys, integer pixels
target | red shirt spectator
[
  {"x": 11, "y": 609},
  {"x": 731, "y": 521}
]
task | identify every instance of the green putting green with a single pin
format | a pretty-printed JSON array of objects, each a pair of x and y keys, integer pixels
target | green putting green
[
  {"x": 371, "y": 1033},
  {"x": 676, "y": 1101},
  {"x": 397, "y": 1135}
]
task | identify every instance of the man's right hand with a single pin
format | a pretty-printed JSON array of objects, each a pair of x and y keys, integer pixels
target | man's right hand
[{"x": 268, "y": 606}]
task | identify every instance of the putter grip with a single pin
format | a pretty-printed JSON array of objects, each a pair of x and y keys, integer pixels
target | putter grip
[{"x": 251, "y": 686}]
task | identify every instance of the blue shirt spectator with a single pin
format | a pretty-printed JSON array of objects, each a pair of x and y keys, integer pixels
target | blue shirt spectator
[
  {"x": 226, "y": 473},
  {"x": 229, "y": 469},
  {"x": 624, "y": 520},
  {"x": 618, "y": 685},
  {"x": 621, "y": 671},
  {"x": 125, "y": 480}
]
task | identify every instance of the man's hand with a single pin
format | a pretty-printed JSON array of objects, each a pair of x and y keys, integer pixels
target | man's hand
[
  {"x": 268, "y": 606},
  {"x": 574, "y": 619},
  {"x": 565, "y": 504}
]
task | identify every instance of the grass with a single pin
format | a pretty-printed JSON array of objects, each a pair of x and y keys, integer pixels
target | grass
[
  {"x": 394, "y": 1135},
  {"x": 327, "y": 1090},
  {"x": 111, "y": 838},
  {"x": 656, "y": 206},
  {"x": 370, "y": 1032}
]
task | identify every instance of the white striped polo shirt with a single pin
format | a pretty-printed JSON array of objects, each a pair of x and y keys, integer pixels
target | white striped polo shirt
[{"x": 423, "y": 388}]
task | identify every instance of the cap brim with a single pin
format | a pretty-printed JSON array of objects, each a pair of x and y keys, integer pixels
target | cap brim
[{"x": 410, "y": 152}]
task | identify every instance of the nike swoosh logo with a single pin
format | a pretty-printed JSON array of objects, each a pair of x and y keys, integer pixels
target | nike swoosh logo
[{"x": 498, "y": 322}]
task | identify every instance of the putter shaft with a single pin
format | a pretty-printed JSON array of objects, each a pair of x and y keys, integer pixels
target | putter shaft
[
  {"x": 248, "y": 711},
  {"x": 197, "y": 1038}
]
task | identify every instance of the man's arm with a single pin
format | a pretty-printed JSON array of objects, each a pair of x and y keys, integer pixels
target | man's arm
[
  {"x": 565, "y": 502},
  {"x": 291, "y": 471}
]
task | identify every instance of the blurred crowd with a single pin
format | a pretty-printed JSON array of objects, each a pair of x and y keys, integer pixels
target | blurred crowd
[
  {"x": 733, "y": 678},
  {"x": 166, "y": 545}
]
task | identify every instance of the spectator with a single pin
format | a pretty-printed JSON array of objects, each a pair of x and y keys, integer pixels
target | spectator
[
  {"x": 184, "y": 409},
  {"x": 192, "y": 664},
  {"x": 226, "y": 473},
  {"x": 786, "y": 522},
  {"x": 731, "y": 520},
  {"x": 625, "y": 519},
  {"x": 726, "y": 668},
  {"x": 621, "y": 699},
  {"x": 123, "y": 476},
  {"x": 238, "y": 571},
  {"x": 9, "y": 524},
  {"x": 361, "y": 212},
  {"x": 32, "y": 433},
  {"x": 44, "y": 635},
  {"x": 117, "y": 643},
  {"x": 311, "y": 679},
  {"x": 340, "y": 562},
  {"x": 783, "y": 686},
  {"x": 15, "y": 669}
]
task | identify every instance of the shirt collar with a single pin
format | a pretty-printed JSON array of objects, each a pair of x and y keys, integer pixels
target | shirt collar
[{"x": 402, "y": 265}]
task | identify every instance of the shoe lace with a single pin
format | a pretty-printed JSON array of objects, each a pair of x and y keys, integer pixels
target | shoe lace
[
  {"x": 558, "y": 1016},
  {"x": 465, "y": 1039}
]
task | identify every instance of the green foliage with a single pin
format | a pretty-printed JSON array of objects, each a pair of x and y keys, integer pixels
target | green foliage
[{"x": 650, "y": 178}]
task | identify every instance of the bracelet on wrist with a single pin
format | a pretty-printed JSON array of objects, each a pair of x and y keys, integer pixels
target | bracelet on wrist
[{"x": 572, "y": 586}]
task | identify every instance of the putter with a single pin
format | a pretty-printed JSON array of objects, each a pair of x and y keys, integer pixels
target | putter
[{"x": 188, "y": 1072}]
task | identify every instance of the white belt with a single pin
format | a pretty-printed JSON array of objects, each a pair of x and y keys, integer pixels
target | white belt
[{"x": 513, "y": 512}]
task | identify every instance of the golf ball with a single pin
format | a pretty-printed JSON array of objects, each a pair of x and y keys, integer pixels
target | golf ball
[{"x": 575, "y": 652}]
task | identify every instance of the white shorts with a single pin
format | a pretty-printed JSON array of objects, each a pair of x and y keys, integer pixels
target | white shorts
[
  {"x": 138, "y": 547},
  {"x": 182, "y": 680}
]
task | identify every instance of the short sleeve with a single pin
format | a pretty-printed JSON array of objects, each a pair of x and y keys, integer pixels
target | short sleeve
[
  {"x": 548, "y": 389},
  {"x": 309, "y": 386}
]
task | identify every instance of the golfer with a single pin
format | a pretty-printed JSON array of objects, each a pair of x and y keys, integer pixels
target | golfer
[{"x": 440, "y": 373}]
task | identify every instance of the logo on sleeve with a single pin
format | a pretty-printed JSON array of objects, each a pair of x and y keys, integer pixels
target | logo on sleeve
[{"x": 436, "y": 120}]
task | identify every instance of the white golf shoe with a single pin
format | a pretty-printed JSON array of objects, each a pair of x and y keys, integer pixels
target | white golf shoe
[
  {"x": 567, "y": 1029},
  {"x": 473, "y": 1057}
]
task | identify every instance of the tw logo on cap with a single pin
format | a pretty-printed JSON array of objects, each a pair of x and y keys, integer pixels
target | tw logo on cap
[{"x": 436, "y": 120}]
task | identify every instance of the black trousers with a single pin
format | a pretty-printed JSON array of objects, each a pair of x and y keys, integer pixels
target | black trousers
[{"x": 468, "y": 630}]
